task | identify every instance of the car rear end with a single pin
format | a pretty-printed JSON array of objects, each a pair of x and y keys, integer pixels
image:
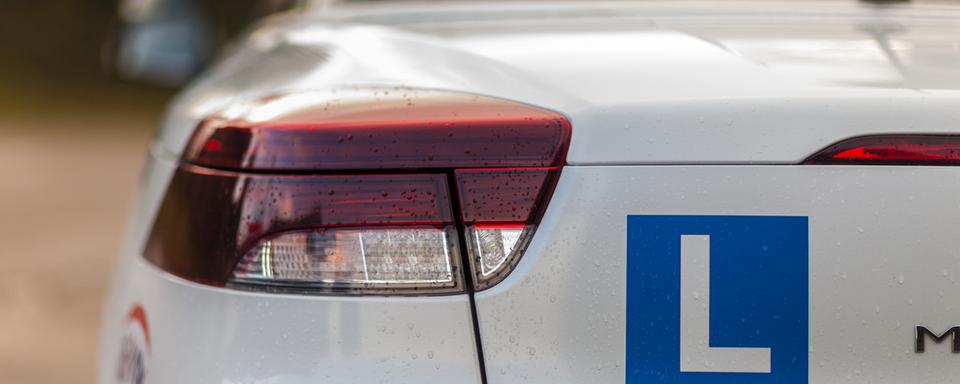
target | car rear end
[{"x": 619, "y": 193}]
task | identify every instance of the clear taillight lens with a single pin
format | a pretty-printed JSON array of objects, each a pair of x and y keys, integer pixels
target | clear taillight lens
[
  {"x": 353, "y": 258},
  {"x": 211, "y": 220},
  {"x": 360, "y": 192},
  {"x": 493, "y": 245},
  {"x": 500, "y": 208}
]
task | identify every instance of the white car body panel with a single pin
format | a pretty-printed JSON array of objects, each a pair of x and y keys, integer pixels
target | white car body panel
[
  {"x": 239, "y": 337},
  {"x": 878, "y": 267},
  {"x": 634, "y": 79},
  {"x": 677, "y": 109}
]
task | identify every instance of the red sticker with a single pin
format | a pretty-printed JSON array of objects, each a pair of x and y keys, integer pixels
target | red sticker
[{"x": 134, "y": 348}]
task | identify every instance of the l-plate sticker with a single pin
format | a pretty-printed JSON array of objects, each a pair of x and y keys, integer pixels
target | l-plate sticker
[{"x": 717, "y": 299}]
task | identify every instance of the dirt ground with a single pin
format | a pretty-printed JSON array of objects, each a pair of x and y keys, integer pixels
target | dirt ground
[{"x": 68, "y": 181}]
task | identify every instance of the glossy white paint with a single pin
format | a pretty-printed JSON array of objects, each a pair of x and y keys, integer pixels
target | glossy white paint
[
  {"x": 883, "y": 258},
  {"x": 207, "y": 335},
  {"x": 644, "y": 84},
  {"x": 659, "y": 82}
]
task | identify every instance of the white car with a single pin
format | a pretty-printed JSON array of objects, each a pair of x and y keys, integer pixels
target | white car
[{"x": 543, "y": 192}]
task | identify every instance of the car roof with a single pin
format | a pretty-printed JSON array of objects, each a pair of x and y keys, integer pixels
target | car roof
[
  {"x": 613, "y": 51},
  {"x": 634, "y": 76}
]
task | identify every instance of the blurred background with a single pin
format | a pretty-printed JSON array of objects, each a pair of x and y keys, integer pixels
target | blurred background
[{"x": 83, "y": 85}]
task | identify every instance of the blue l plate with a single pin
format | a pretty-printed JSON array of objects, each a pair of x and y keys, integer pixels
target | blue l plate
[{"x": 758, "y": 291}]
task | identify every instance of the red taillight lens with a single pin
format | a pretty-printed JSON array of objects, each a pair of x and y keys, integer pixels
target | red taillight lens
[
  {"x": 412, "y": 130},
  {"x": 211, "y": 217},
  {"x": 364, "y": 192},
  {"x": 500, "y": 209},
  {"x": 892, "y": 150}
]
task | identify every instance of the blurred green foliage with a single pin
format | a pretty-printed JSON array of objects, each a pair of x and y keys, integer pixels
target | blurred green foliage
[{"x": 52, "y": 52}]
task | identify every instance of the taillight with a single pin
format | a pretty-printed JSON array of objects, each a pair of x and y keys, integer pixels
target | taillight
[
  {"x": 893, "y": 149},
  {"x": 369, "y": 191}
]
